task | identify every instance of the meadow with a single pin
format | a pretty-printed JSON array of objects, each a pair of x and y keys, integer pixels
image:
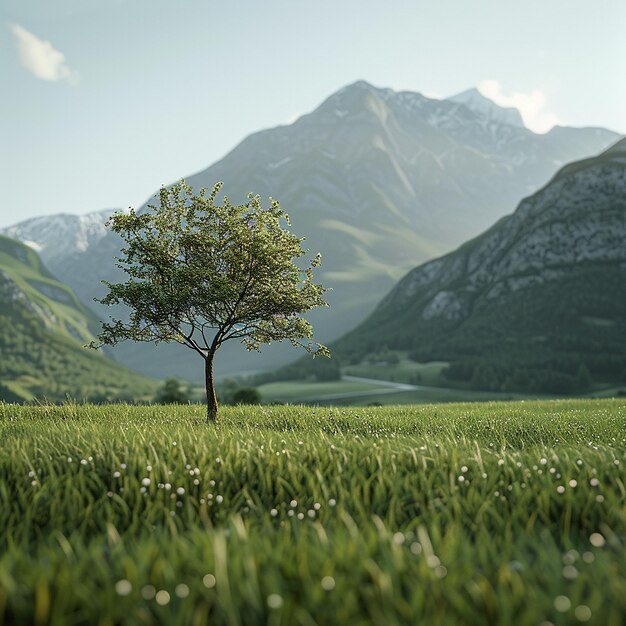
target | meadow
[
  {"x": 492, "y": 513},
  {"x": 348, "y": 393}
]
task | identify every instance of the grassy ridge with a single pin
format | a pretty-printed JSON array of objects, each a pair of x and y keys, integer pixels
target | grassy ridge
[{"x": 456, "y": 514}]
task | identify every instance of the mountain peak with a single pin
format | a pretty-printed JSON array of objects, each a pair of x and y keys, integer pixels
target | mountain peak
[
  {"x": 475, "y": 101},
  {"x": 358, "y": 85},
  {"x": 356, "y": 89},
  {"x": 63, "y": 230},
  {"x": 356, "y": 92}
]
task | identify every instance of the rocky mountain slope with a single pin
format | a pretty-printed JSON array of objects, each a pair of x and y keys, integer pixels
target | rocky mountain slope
[
  {"x": 61, "y": 235},
  {"x": 535, "y": 300},
  {"x": 377, "y": 181},
  {"x": 43, "y": 328}
]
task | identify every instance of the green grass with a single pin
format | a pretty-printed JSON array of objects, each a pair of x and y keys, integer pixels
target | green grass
[
  {"x": 508, "y": 513},
  {"x": 302, "y": 391},
  {"x": 426, "y": 396}
]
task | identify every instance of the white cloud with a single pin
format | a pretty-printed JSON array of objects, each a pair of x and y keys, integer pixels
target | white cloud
[
  {"x": 433, "y": 95},
  {"x": 530, "y": 105},
  {"x": 40, "y": 57},
  {"x": 294, "y": 117}
]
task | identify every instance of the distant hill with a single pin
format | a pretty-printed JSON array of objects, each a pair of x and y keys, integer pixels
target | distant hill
[
  {"x": 43, "y": 328},
  {"x": 378, "y": 181},
  {"x": 538, "y": 302}
]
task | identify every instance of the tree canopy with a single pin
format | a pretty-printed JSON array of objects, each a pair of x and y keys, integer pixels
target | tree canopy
[{"x": 202, "y": 273}]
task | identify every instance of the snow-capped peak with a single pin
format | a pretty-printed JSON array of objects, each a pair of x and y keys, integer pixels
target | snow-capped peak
[
  {"x": 486, "y": 108},
  {"x": 62, "y": 233}
]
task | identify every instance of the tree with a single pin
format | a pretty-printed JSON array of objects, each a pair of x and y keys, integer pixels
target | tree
[
  {"x": 171, "y": 393},
  {"x": 247, "y": 395},
  {"x": 226, "y": 389},
  {"x": 202, "y": 274}
]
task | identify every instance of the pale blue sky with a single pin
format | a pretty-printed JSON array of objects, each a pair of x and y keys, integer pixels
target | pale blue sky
[{"x": 105, "y": 100}]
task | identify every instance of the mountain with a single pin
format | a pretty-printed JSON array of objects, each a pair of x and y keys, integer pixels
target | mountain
[
  {"x": 487, "y": 109},
  {"x": 65, "y": 242},
  {"x": 536, "y": 302},
  {"x": 377, "y": 181},
  {"x": 78, "y": 233},
  {"x": 43, "y": 328}
]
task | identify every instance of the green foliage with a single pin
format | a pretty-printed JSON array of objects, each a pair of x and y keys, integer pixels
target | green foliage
[
  {"x": 235, "y": 391},
  {"x": 6, "y": 395},
  {"x": 467, "y": 514},
  {"x": 384, "y": 356},
  {"x": 201, "y": 274},
  {"x": 172, "y": 393},
  {"x": 226, "y": 390},
  {"x": 196, "y": 267},
  {"x": 247, "y": 395}
]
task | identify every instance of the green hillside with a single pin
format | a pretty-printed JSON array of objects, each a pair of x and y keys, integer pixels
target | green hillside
[
  {"x": 43, "y": 328},
  {"x": 536, "y": 303}
]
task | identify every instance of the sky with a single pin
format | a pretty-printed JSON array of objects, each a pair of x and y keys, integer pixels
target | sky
[{"x": 104, "y": 101}]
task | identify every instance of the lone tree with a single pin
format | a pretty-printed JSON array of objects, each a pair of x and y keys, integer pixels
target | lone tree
[{"x": 202, "y": 274}]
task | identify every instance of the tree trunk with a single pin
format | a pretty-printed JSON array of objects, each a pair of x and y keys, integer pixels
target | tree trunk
[{"x": 211, "y": 399}]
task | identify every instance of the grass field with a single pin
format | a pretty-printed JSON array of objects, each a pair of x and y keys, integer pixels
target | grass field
[
  {"x": 351, "y": 393},
  {"x": 510, "y": 513},
  {"x": 303, "y": 391}
]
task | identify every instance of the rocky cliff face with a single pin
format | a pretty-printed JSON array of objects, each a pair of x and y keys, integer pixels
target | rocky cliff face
[
  {"x": 579, "y": 217},
  {"x": 13, "y": 297},
  {"x": 69, "y": 246},
  {"x": 537, "y": 297}
]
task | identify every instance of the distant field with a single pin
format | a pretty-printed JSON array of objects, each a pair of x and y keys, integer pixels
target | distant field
[
  {"x": 297, "y": 392},
  {"x": 495, "y": 513},
  {"x": 430, "y": 386},
  {"x": 351, "y": 393},
  {"x": 427, "y": 396},
  {"x": 405, "y": 371}
]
